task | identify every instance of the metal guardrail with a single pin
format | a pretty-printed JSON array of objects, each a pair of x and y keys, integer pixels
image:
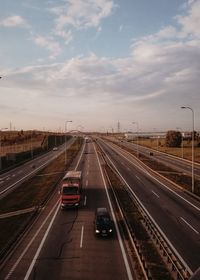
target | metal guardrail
[{"x": 172, "y": 258}]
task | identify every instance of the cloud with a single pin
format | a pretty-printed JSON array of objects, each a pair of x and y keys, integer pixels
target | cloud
[
  {"x": 160, "y": 75},
  {"x": 81, "y": 14},
  {"x": 66, "y": 35},
  {"x": 190, "y": 23},
  {"x": 14, "y": 21},
  {"x": 121, "y": 28},
  {"x": 48, "y": 43}
]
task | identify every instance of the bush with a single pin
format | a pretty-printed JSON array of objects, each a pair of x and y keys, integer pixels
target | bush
[{"x": 173, "y": 138}]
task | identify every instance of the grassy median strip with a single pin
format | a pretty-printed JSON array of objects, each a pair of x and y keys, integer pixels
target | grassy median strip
[{"x": 33, "y": 193}]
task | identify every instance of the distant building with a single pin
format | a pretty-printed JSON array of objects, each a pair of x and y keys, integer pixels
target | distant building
[{"x": 132, "y": 136}]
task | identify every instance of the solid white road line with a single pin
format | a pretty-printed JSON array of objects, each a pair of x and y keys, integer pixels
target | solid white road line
[
  {"x": 81, "y": 242},
  {"x": 23, "y": 178},
  {"x": 41, "y": 245},
  {"x": 138, "y": 177},
  {"x": 85, "y": 200},
  {"x": 130, "y": 189},
  {"x": 80, "y": 157},
  {"x": 189, "y": 225},
  {"x": 155, "y": 179},
  {"x": 128, "y": 270},
  {"x": 31, "y": 241},
  {"x": 155, "y": 194}
]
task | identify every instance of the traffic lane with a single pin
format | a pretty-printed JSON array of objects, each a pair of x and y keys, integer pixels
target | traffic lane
[
  {"x": 102, "y": 257},
  {"x": 166, "y": 209},
  {"x": 18, "y": 263},
  {"x": 178, "y": 164},
  {"x": 16, "y": 176},
  {"x": 165, "y": 185},
  {"x": 71, "y": 250},
  {"x": 64, "y": 235}
]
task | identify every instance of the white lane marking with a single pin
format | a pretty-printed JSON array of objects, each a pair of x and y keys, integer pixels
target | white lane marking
[
  {"x": 128, "y": 270},
  {"x": 80, "y": 157},
  {"x": 130, "y": 189},
  {"x": 31, "y": 241},
  {"x": 86, "y": 183},
  {"x": 85, "y": 200},
  {"x": 29, "y": 174},
  {"x": 189, "y": 225},
  {"x": 155, "y": 194},
  {"x": 155, "y": 179},
  {"x": 87, "y": 173},
  {"x": 41, "y": 245},
  {"x": 138, "y": 177},
  {"x": 81, "y": 242}
]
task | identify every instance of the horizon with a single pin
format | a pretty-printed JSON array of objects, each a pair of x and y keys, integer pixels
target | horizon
[{"x": 100, "y": 63}]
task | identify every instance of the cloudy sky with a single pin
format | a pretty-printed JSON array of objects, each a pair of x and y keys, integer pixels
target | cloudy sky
[{"x": 99, "y": 62}]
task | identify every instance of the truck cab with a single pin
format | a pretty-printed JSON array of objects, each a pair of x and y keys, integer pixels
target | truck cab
[{"x": 71, "y": 189}]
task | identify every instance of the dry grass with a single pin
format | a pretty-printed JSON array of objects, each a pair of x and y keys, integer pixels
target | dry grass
[
  {"x": 160, "y": 146},
  {"x": 16, "y": 141},
  {"x": 32, "y": 193}
]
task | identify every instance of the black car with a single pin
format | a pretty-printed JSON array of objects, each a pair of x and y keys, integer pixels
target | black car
[{"x": 103, "y": 224}]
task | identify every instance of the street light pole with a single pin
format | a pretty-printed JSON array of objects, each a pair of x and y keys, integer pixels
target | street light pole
[
  {"x": 0, "y": 146},
  {"x": 137, "y": 136},
  {"x": 66, "y": 141},
  {"x": 185, "y": 107}
]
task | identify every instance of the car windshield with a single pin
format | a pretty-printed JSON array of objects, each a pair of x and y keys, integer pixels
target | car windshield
[
  {"x": 103, "y": 219},
  {"x": 70, "y": 191},
  {"x": 71, "y": 181}
]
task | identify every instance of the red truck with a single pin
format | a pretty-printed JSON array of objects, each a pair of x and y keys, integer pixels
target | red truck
[{"x": 71, "y": 189}]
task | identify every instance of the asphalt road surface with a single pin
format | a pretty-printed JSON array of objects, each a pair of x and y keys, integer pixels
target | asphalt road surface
[
  {"x": 176, "y": 163},
  {"x": 176, "y": 213},
  {"x": 62, "y": 243},
  {"x": 14, "y": 177}
]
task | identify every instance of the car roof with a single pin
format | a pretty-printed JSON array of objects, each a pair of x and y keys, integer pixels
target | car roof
[{"x": 102, "y": 211}]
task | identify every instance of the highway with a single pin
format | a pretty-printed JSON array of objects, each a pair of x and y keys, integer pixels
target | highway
[
  {"x": 14, "y": 177},
  {"x": 61, "y": 244},
  {"x": 176, "y": 213},
  {"x": 178, "y": 164}
]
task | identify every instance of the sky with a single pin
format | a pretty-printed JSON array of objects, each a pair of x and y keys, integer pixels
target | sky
[{"x": 98, "y": 63}]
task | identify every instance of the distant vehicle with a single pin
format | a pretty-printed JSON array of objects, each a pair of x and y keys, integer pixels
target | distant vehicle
[
  {"x": 87, "y": 140},
  {"x": 55, "y": 148},
  {"x": 103, "y": 224},
  {"x": 70, "y": 193}
]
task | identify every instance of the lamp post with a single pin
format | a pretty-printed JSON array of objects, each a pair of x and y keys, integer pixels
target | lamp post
[
  {"x": 0, "y": 145},
  {"x": 66, "y": 141},
  {"x": 137, "y": 136},
  {"x": 181, "y": 141},
  {"x": 185, "y": 107}
]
